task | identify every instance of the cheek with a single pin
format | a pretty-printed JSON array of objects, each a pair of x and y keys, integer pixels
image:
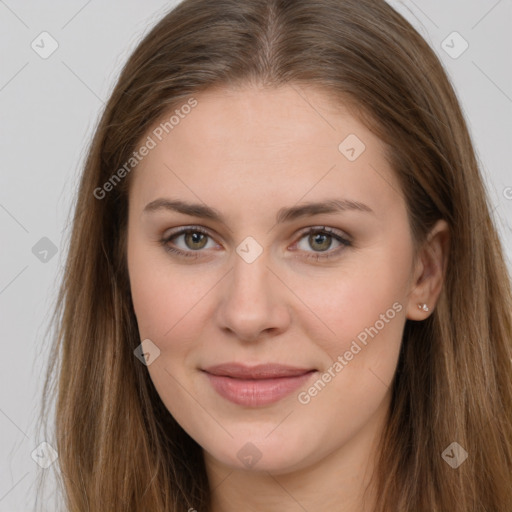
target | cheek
[
  {"x": 366, "y": 298},
  {"x": 161, "y": 304},
  {"x": 167, "y": 300},
  {"x": 153, "y": 299},
  {"x": 366, "y": 313},
  {"x": 167, "y": 305}
]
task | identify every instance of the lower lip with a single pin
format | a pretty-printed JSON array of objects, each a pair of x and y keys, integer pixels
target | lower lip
[{"x": 256, "y": 392}]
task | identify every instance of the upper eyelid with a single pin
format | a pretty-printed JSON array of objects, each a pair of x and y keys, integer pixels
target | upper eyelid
[{"x": 183, "y": 230}]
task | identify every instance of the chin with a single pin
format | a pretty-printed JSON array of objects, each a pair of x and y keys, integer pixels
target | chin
[{"x": 274, "y": 454}]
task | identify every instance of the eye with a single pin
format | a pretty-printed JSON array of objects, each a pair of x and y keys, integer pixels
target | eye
[
  {"x": 321, "y": 240},
  {"x": 195, "y": 238}
]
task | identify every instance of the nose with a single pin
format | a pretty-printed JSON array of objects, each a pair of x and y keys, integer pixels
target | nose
[{"x": 253, "y": 302}]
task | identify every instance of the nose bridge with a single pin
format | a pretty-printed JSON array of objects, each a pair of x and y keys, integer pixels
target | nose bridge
[
  {"x": 250, "y": 276},
  {"x": 249, "y": 279},
  {"x": 249, "y": 289},
  {"x": 251, "y": 298}
]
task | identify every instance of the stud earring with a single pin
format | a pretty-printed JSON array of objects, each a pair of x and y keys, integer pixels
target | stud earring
[{"x": 423, "y": 307}]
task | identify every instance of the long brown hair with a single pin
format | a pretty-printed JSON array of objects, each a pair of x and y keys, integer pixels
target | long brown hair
[{"x": 119, "y": 448}]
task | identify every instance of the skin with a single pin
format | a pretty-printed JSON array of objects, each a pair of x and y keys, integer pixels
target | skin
[{"x": 247, "y": 153}]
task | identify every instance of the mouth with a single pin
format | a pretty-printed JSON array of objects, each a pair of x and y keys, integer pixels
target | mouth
[{"x": 256, "y": 386}]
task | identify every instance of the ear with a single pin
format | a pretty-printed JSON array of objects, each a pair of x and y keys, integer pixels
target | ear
[{"x": 429, "y": 271}]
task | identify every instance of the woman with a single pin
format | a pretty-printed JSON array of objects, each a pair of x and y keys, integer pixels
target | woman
[{"x": 284, "y": 290}]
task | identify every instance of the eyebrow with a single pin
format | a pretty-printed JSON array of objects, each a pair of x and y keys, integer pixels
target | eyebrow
[{"x": 287, "y": 214}]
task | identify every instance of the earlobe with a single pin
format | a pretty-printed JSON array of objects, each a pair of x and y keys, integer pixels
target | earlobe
[{"x": 432, "y": 261}]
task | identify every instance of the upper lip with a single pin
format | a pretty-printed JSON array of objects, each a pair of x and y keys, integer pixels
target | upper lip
[{"x": 261, "y": 371}]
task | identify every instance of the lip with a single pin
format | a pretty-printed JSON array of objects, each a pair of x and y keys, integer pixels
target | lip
[{"x": 256, "y": 386}]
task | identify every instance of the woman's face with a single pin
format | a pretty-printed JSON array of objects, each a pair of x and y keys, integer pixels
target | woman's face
[{"x": 252, "y": 287}]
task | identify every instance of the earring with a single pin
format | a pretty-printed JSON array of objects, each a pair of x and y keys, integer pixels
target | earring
[{"x": 423, "y": 307}]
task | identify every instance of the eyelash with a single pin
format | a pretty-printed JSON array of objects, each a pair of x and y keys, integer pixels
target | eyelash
[{"x": 313, "y": 230}]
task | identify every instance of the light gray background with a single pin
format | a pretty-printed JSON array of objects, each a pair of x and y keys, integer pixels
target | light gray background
[{"x": 49, "y": 108}]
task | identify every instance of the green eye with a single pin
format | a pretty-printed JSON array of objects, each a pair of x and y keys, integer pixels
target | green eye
[{"x": 320, "y": 239}]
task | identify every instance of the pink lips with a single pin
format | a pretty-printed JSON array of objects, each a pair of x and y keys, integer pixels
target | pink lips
[{"x": 256, "y": 386}]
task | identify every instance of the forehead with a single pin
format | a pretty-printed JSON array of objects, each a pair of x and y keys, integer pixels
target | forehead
[{"x": 255, "y": 144}]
